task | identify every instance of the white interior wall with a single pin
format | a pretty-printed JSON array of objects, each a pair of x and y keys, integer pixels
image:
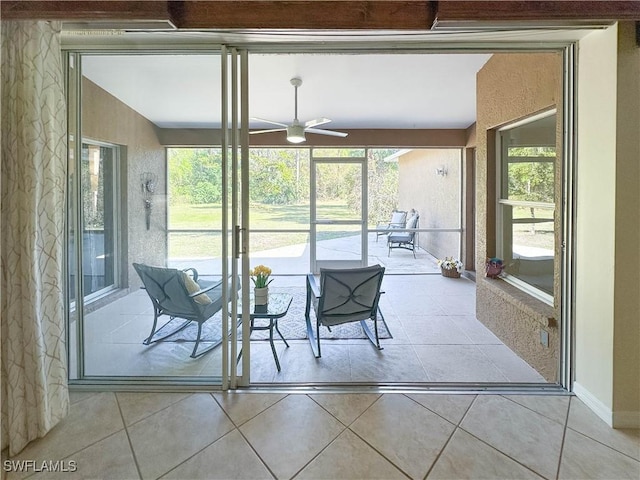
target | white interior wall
[{"x": 596, "y": 193}]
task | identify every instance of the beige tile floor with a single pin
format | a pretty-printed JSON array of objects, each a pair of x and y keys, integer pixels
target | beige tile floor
[{"x": 250, "y": 435}]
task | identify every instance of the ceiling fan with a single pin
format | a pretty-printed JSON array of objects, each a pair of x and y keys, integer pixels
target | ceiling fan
[{"x": 296, "y": 130}]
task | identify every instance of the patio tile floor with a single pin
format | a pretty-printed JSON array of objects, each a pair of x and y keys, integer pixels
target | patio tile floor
[{"x": 432, "y": 342}]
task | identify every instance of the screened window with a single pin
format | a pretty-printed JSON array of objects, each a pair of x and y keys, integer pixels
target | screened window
[{"x": 527, "y": 204}]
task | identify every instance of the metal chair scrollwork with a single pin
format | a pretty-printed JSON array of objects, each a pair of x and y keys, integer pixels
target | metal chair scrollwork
[{"x": 344, "y": 295}]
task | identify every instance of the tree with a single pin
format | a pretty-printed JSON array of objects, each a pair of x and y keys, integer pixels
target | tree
[
  {"x": 274, "y": 176},
  {"x": 195, "y": 175},
  {"x": 532, "y": 181},
  {"x": 383, "y": 185}
]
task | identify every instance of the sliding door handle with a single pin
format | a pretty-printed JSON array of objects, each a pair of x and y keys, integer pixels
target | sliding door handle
[{"x": 237, "y": 249}]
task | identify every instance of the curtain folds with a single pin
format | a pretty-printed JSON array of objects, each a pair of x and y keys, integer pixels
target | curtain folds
[{"x": 32, "y": 210}]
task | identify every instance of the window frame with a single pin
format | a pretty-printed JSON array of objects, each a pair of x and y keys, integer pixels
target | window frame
[
  {"x": 502, "y": 201},
  {"x": 116, "y": 205}
]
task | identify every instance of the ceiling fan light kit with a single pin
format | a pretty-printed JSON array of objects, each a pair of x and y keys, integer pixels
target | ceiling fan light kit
[
  {"x": 295, "y": 134},
  {"x": 296, "y": 131}
]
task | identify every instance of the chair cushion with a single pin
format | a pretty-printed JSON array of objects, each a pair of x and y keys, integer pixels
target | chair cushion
[
  {"x": 400, "y": 238},
  {"x": 412, "y": 221},
  {"x": 398, "y": 218},
  {"x": 193, "y": 287}
]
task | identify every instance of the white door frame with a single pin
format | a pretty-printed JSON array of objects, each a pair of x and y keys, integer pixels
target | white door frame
[{"x": 316, "y": 264}]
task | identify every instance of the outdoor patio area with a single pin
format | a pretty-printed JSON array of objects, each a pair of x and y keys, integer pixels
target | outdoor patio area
[
  {"x": 435, "y": 336},
  {"x": 294, "y": 259}
]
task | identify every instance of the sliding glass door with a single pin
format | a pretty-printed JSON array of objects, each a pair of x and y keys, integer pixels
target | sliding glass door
[{"x": 135, "y": 199}]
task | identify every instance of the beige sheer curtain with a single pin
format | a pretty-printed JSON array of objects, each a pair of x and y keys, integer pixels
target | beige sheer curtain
[{"x": 32, "y": 195}]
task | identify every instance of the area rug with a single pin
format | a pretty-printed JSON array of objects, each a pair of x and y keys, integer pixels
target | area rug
[{"x": 292, "y": 325}]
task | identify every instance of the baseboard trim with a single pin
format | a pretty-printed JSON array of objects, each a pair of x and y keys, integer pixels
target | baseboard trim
[
  {"x": 613, "y": 419},
  {"x": 591, "y": 401}
]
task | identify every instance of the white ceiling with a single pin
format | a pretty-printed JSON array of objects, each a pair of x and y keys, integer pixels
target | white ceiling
[{"x": 355, "y": 91}]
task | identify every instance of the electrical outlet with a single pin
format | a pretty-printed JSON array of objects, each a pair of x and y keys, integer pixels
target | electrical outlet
[{"x": 544, "y": 338}]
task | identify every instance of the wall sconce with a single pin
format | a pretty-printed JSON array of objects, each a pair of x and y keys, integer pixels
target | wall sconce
[
  {"x": 149, "y": 181},
  {"x": 442, "y": 171}
]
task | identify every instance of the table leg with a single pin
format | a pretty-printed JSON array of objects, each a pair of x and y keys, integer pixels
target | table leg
[
  {"x": 278, "y": 330},
  {"x": 273, "y": 348}
]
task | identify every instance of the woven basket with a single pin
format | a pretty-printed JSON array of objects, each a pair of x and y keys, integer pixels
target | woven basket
[{"x": 451, "y": 273}]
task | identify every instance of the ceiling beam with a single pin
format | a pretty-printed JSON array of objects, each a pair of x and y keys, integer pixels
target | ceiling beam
[
  {"x": 382, "y": 138},
  {"x": 512, "y": 11},
  {"x": 84, "y": 10},
  {"x": 320, "y": 14}
]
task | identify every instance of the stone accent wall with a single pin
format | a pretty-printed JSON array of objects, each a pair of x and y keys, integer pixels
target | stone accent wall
[{"x": 510, "y": 87}]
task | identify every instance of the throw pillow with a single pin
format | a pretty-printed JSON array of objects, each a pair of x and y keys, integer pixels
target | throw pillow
[{"x": 193, "y": 287}]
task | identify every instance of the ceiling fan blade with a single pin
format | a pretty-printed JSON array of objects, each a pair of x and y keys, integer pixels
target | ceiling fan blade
[
  {"x": 269, "y": 121},
  {"x": 268, "y": 131},
  {"x": 333, "y": 133},
  {"x": 315, "y": 122}
]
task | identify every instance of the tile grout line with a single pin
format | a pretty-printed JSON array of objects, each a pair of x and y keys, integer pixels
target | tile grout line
[
  {"x": 460, "y": 427},
  {"x": 595, "y": 439},
  {"x": 498, "y": 369},
  {"x": 161, "y": 410},
  {"x": 502, "y": 453},
  {"x": 87, "y": 445},
  {"x": 321, "y": 406},
  {"x": 539, "y": 413},
  {"x": 323, "y": 448},
  {"x": 157, "y": 411},
  {"x": 564, "y": 436},
  {"x": 371, "y": 446},
  {"x": 567, "y": 427},
  {"x": 436, "y": 413},
  {"x": 237, "y": 427},
  {"x": 604, "y": 445},
  {"x": 455, "y": 429},
  {"x": 380, "y": 453},
  {"x": 251, "y": 418},
  {"x": 197, "y": 453},
  {"x": 126, "y": 430},
  {"x": 348, "y": 427},
  {"x": 424, "y": 369}
]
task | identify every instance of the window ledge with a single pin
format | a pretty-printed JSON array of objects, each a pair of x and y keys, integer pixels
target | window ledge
[{"x": 539, "y": 310}]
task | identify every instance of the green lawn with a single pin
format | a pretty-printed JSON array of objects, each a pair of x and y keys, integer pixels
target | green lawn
[{"x": 261, "y": 217}]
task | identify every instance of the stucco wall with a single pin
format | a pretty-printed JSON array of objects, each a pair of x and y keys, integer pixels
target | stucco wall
[
  {"x": 435, "y": 197},
  {"x": 511, "y": 87},
  {"x": 106, "y": 119}
]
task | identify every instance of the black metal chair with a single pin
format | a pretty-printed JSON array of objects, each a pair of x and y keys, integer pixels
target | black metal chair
[
  {"x": 344, "y": 295},
  {"x": 405, "y": 239},
  {"x": 177, "y": 294}
]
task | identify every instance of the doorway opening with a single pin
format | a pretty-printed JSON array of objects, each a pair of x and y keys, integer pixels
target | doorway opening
[{"x": 327, "y": 202}]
